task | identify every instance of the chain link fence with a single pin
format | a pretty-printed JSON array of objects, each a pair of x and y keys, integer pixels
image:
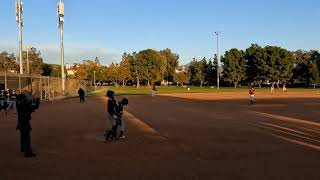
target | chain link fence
[{"x": 44, "y": 87}]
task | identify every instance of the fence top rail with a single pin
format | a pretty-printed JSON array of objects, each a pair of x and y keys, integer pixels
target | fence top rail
[{"x": 21, "y": 75}]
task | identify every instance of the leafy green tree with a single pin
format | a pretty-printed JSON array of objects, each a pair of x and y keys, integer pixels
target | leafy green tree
[
  {"x": 280, "y": 64},
  {"x": 181, "y": 78},
  {"x": 151, "y": 60},
  {"x": 197, "y": 69},
  {"x": 124, "y": 70},
  {"x": 234, "y": 67},
  {"x": 301, "y": 69},
  {"x": 47, "y": 69},
  {"x": 209, "y": 72},
  {"x": 137, "y": 68},
  {"x": 169, "y": 65},
  {"x": 86, "y": 71},
  {"x": 113, "y": 74},
  {"x": 314, "y": 73},
  {"x": 35, "y": 61},
  {"x": 257, "y": 67},
  {"x": 7, "y": 62}
]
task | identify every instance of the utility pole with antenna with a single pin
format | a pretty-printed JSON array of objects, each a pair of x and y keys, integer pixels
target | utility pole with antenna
[
  {"x": 19, "y": 11},
  {"x": 61, "y": 23}
]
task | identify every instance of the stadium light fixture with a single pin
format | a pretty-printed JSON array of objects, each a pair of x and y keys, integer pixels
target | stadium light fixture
[{"x": 218, "y": 33}]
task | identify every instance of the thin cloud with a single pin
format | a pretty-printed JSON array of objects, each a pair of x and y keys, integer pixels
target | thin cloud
[{"x": 73, "y": 54}]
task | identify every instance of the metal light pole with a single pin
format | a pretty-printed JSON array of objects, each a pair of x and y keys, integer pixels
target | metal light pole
[
  {"x": 217, "y": 33},
  {"x": 94, "y": 80},
  {"x": 19, "y": 10},
  {"x": 61, "y": 22},
  {"x": 167, "y": 73}
]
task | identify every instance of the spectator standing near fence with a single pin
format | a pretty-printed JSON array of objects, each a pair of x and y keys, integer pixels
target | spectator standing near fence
[
  {"x": 26, "y": 105},
  {"x": 81, "y": 95}
]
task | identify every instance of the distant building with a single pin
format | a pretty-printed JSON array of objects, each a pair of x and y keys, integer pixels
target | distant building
[{"x": 71, "y": 69}]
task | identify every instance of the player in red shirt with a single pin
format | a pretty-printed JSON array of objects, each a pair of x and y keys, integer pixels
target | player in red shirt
[{"x": 251, "y": 95}]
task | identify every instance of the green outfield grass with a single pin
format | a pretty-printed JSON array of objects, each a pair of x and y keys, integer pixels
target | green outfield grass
[{"x": 174, "y": 89}]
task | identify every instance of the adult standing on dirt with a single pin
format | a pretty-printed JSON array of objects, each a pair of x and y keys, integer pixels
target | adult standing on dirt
[
  {"x": 81, "y": 95},
  {"x": 111, "y": 116},
  {"x": 25, "y": 107},
  {"x": 111, "y": 107}
]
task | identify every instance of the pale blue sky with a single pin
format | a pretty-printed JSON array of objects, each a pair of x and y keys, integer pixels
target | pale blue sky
[{"x": 107, "y": 28}]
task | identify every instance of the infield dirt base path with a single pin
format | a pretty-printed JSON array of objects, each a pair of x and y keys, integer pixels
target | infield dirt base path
[{"x": 185, "y": 136}]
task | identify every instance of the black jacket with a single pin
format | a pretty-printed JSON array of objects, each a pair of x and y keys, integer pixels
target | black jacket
[
  {"x": 111, "y": 107},
  {"x": 25, "y": 108}
]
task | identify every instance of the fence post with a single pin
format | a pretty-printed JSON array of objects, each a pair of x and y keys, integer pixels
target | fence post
[
  {"x": 5, "y": 80},
  {"x": 20, "y": 83},
  {"x": 40, "y": 88},
  {"x": 49, "y": 88},
  {"x": 31, "y": 83}
]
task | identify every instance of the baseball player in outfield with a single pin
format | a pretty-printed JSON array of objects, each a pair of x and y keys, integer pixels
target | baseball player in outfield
[{"x": 251, "y": 95}]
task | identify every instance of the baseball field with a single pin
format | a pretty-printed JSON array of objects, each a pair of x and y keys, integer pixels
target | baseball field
[{"x": 216, "y": 136}]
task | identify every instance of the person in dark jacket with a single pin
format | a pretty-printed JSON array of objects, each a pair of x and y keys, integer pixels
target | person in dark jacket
[
  {"x": 112, "y": 116},
  {"x": 26, "y": 105},
  {"x": 2, "y": 101},
  {"x": 81, "y": 95}
]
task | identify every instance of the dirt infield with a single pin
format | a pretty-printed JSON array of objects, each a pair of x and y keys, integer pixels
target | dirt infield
[{"x": 182, "y": 136}]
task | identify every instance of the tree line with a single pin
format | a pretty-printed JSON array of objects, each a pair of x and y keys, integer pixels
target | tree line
[
  {"x": 256, "y": 65},
  {"x": 271, "y": 64},
  {"x": 145, "y": 67}
]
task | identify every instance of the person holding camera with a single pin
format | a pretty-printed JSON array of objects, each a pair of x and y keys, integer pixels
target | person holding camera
[{"x": 26, "y": 105}]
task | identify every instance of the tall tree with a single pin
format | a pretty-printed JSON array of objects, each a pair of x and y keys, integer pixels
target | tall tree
[
  {"x": 124, "y": 70},
  {"x": 181, "y": 78},
  {"x": 152, "y": 65},
  {"x": 171, "y": 62},
  {"x": 35, "y": 61},
  {"x": 137, "y": 68},
  {"x": 314, "y": 73},
  {"x": 197, "y": 75},
  {"x": 280, "y": 64},
  {"x": 257, "y": 67},
  {"x": 234, "y": 67},
  {"x": 7, "y": 62},
  {"x": 47, "y": 69},
  {"x": 301, "y": 69}
]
